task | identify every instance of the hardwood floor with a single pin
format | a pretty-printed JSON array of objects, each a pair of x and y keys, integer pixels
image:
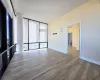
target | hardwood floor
[{"x": 47, "y": 64}]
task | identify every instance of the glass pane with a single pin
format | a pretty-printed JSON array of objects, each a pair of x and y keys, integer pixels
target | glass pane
[
  {"x": 43, "y": 45},
  {"x": 25, "y": 46},
  {"x": 43, "y": 36},
  {"x": 25, "y": 31},
  {"x": 32, "y": 32},
  {"x": 7, "y": 26},
  {"x": 8, "y": 35},
  {"x": 34, "y": 46},
  {"x": 36, "y": 34},
  {"x": 43, "y": 26}
]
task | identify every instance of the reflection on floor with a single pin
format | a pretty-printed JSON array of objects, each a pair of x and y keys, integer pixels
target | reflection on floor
[
  {"x": 73, "y": 51},
  {"x": 47, "y": 64}
]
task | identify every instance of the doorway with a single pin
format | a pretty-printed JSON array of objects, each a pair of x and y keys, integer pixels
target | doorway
[
  {"x": 74, "y": 39},
  {"x": 69, "y": 39}
]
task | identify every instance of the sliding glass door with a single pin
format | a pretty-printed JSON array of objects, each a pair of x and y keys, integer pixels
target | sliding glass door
[{"x": 34, "y": 35}]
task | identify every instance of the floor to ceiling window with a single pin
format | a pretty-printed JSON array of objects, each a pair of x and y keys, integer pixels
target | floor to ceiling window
[
  {"x": 25, "y": 34},
  {"x": 34, "y": 34},
  {"x": 7, "y": 47},
  {"x": 7, "y": 32},
  {"x": 43, "y": 35}
]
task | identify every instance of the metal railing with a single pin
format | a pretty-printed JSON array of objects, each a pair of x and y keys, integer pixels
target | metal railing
[
  {"x": 5, "y": 58},
  {"x": 7, "y": 49}
]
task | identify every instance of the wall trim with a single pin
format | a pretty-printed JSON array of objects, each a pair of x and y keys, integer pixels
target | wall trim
[
  {"x": 90, "y": 60},
  {"x": 57, "y": 50}
]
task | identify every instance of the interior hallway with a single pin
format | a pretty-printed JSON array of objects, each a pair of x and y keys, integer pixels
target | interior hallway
[{"x": 47, "y": 64}]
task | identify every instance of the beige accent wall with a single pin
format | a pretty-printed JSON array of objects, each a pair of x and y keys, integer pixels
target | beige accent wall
[
  {"x": 88, "y": 15},
  {"x": 74, "y": 29}
]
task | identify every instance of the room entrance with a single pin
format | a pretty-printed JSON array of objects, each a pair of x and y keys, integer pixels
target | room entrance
[{"x": 74, "y": 39}]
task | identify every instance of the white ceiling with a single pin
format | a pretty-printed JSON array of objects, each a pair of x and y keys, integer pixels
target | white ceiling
[{"x": 45, "y": 10}]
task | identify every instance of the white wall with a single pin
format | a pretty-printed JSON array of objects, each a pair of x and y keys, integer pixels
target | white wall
[
  {"x": 59, "y": 41},
  {"x": 89, "y": 16},
  {"x": 15, "y": 29},
  {"x": 19, "y": 33}
]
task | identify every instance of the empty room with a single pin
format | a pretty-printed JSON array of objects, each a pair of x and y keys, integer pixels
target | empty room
[{"x": 49, "y": 40}]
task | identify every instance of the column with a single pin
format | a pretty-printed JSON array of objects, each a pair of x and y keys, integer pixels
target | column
[{"x": 19, "y": 33}]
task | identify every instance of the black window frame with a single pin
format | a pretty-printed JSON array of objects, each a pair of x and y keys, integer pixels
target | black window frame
[
  {"x": 4, "y": 58},
  {"x": 39, "y": 35}
]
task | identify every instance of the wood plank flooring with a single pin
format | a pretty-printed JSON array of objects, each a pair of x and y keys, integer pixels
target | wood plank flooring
[{"x": 47, "y": 64}]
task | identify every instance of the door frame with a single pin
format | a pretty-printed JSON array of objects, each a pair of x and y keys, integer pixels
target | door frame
[{"x": 78, "y": 22}]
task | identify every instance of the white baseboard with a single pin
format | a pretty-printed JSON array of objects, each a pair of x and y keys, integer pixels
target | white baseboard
[
  {"x": 58, "y": 50},
  {"x": 90, "y": 60}
]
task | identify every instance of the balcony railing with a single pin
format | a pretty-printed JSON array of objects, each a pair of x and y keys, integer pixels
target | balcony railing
[{"x": 5, "y": 58}]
